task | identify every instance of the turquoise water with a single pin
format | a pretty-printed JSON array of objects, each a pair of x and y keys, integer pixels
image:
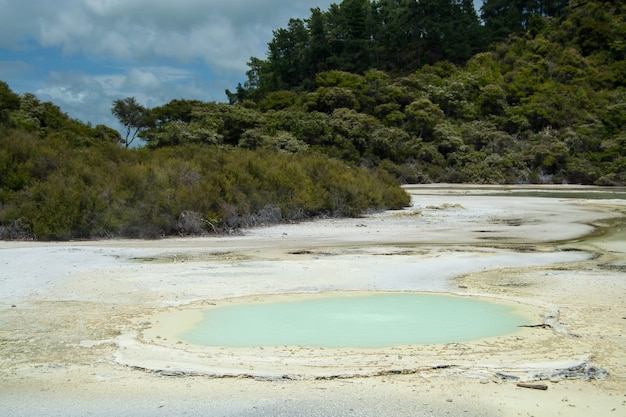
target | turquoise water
[{"x": 372, "y": 321}]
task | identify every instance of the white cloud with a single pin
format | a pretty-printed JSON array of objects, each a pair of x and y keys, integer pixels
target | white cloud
[
  {"x": 142, "y": 79},
  {"x": 64, "y": 94},
  {"x": 153, "y": 50},
  {"x": 79, "y": 95},
  {"x": 89, "y": 98},
  {"x": 222, "y": 33}
]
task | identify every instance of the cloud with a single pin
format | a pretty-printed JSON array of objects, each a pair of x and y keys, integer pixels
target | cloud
[
  {"x": 223, "y": 34},
  {"x": 144, "y": 79},
  {"x": 83, "y": 54},
  {"x": 89, "y": 98},
  {"x": 10, "y": 69},
  {"x": 78, "y": 94}
]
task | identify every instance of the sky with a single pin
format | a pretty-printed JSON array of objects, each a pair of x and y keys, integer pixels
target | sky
[{"x": 84, "y": 54}]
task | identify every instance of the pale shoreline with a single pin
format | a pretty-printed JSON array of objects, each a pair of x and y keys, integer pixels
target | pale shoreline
[{"x": 78, "y": 320}]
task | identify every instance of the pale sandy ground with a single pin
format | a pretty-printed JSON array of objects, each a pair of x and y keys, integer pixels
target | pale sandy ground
[{"x": 90, "y": 328}]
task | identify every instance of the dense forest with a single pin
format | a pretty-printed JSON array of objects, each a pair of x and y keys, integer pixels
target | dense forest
[
  {"x": 394, "y": 36},
  {"x": 346, "y": 105},
  {"x": 527, "y": 92}
]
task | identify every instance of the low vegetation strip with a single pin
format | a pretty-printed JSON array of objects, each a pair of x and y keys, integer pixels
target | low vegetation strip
[{"x": 52, "y": 190}]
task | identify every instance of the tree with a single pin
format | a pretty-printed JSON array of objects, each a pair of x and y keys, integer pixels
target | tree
[
  {"x": 503, "y": 17},
  {"x": 9, "y": 101},
  {"x": 133, "y": 116},
  {"x": 320, "y": 49},
  {"x": 176, "y": 111}
]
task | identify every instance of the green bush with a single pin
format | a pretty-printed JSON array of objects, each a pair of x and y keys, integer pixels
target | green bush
[{"x": 66, "y": 192}]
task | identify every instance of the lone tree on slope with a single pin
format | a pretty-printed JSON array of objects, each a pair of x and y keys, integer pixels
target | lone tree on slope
[{"x": 133, "y": 116}]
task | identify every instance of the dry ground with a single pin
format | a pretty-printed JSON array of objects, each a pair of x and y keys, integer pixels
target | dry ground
[{"x": 89, "y": 328}]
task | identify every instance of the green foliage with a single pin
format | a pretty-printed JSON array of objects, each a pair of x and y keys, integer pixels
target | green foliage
[
  {"x": 356, "y": 36},
  {"x": 17, "y": 160},
  {"x": 133, "y": 116},
  {"x": 532, "y": 109},
  {"x": 9, "y": 101},
  {"x": 422, "y": 117},
  {"x": 53, "y": 186},
  {"x": 175, "y": 111},
  {"x": 328, "y": 99},
  {"x": 503, "y": 17},
  {"x": 279, "y": 100}
]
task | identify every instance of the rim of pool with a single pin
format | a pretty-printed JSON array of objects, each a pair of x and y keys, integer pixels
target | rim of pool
[{"x": 157, "y": 346}]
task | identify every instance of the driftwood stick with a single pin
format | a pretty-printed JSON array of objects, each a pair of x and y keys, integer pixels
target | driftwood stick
[
  {"x": 533, "y": 386},
  {"x": 542, "y": 325}
]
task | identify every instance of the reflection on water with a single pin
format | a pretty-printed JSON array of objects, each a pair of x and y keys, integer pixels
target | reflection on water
[
  {"x": 372, "y": 321},
  {"x": 619, "y": 194},
  {"x": 548, "y": 191}
]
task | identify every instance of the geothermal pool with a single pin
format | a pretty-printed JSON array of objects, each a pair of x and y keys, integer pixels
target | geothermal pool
[{"x": 355, "y": 321}]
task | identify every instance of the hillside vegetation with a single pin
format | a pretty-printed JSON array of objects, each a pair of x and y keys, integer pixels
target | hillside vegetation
[
  {"x": 61, "y": 179},
  {"x": 348, "y": 104},
  {"x": 545, "y": 104}
]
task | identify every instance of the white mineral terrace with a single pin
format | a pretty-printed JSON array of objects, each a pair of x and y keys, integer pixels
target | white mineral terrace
[{"x": 91, "y": 327}]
